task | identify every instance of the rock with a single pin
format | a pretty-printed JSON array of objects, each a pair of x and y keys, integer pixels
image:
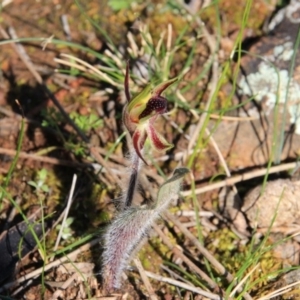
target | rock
[{"x": 276, "y": 205}]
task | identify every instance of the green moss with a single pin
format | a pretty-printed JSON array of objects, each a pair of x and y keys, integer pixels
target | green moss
[
  {"x": 232, "y": 12},
  {"x": 149, "y": 256},
  {"x": 227, "y": 249},
  {"x": 178, "y": 22}
]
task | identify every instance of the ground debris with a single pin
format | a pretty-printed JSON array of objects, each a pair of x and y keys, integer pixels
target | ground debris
[{"x": 72, "y": 280}]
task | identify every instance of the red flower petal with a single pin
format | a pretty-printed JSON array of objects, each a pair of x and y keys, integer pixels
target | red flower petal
[
  {"x": 138, "y": 139},
  {"x": 157, "y": 141}
]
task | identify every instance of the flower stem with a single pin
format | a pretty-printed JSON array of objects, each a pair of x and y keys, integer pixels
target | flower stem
[{"x": 132, "y": 180}]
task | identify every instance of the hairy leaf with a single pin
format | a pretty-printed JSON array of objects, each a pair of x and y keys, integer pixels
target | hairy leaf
[{"x": 126, "y": 232}]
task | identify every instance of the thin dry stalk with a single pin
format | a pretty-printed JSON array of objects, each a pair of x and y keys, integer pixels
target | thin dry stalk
[
  {"x": 239, "y": 178},
  {"x": 217, "y": 149},
  {"x": 212, "y": 44},
  {"x": 240, "y": 284},
  {"x": 222, "y": 160},
  {"x": 72, "y": 64},
  {"x": 280, "y": 291},
  {"x": 213, "y": 85},
  {"x": 133, "y": 48},
  {"x": 184, "y": 286},
  {"x": 216, "y": 264},
  {"x": 168, "y": 53},
  {"x": 230, "y": 118},
  {"x": 115, "y": 58},
  {"x": 45, "y": 159},
  {"x": 97, "y": 156},
  {"x": 180, "y": 254},
  {"x": 69, "y": 257},
  {"x": 145, "y": 279},
  {"x": 87, "y": 66},
  {"x": 66, "y": 213},
  {"x": 25, "y": 58}
]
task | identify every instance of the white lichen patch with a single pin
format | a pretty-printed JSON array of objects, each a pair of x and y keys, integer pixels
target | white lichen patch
[
  {"x": 284, "y": 52},
  {"x": 274, "y": 86},
  {"x": 286, "y": 12},
  {"x": 269, "y": 82}
]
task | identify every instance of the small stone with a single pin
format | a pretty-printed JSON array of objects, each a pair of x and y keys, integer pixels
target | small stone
[
  {"x": 30, "y": 296},
  {"x": 276, "y": 205}
]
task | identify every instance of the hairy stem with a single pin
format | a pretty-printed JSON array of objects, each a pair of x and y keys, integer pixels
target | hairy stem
[{"x": 132, "y": 180}]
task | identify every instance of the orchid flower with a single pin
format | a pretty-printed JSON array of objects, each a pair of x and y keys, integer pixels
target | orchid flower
[{"x": 141, "y": 112}]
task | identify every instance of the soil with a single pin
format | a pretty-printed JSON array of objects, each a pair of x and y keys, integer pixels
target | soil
[{"x": 245, "y": 142}]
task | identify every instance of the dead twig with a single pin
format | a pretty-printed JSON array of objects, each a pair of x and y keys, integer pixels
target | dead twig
[
  {"x": 184, "y": 286},
  {"x": 180, "y": 254},
  {"x": 239, "y": 178},
  {"x": 26, "y": 60},
  {"x": 68, "y": 257},
  {"x": 216, "y": 264},
  {"x": 222, "y": 160},
  {"x": 212, "y": 44},
  {"x": 66, "y": 212},
  {"x": 113, "y": 178},
  {"x": 278, "y": 292},
  {"x": 145, "y": 279},
  {"x": 232, "y": 119},
  {"x": 45, "y": 159}
]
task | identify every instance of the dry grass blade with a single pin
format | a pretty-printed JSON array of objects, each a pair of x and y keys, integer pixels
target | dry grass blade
[
  {"x": 84, "y": 66},
  {"x": 212, "y": 44},
  {"x": 240, "y": 284},
  {"x": 184, "y": 286},
  {"x": 24, "y": 57},
  {"x": 66, "y": 213},
  {"x": 279, "y": 292},
  {"x": 97, "y": 156},
  {"x": 70, "y": 257},
  {"x": 239, "y": 178},
  {"x": 145, "y": 279},
  {"x": 45, "y": 159},
  {"x": 230, "y": 118},
  {"x": 180, "y": 254},
  {"x": 209, "y": 61},
  {"x": 216, "y": 264},
  {"x": 222, "y": 160},
  {"x": 115, "y": 58}
]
